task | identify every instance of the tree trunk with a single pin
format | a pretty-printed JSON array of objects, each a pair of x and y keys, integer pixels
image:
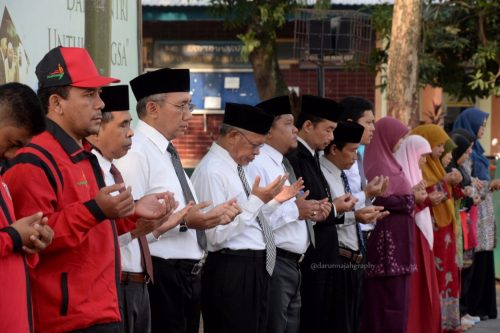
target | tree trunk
[
  {"x": 402, "y": 66},
  {"x": 268, "y": 76}
]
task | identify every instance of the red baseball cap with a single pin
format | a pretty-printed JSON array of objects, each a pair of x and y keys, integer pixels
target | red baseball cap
[{"x": 73, "y": 66}]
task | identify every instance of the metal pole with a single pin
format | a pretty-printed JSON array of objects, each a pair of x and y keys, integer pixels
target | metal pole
[
  {"x": 98, "y": 22},
  {"x": 321, "y": 79}
]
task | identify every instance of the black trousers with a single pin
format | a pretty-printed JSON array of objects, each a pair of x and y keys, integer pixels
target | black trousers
[
  {"x": 235, "y": 294},
  {"x": 175, "y": 297},
  {"x": 284, "y": 307},
  {"x": 134, "y": 307}
]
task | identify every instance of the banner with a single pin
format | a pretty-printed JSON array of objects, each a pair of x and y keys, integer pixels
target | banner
[{"x": 29, "y": 29}]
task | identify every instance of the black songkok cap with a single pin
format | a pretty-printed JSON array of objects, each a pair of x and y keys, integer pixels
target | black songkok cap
[
  {"x": 348, "y": 132},
  {"x": 115, "y": 98},
  {"x": 321, "y": 107},
  {"x": 276, "y": 105},
  {"x": 248, "y": 117},
  {"x": 161, "y": 81}
]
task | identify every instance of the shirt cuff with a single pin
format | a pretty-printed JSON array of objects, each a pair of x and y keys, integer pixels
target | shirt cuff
[
  {"x": 253, "y": 203},
  {"x": 125, "y": 239},
  {"x": 151, "y": 238},
  {"x": 335, "y": 215},
  {"x": 349, "y": 218},
  {"x": 271, "y": 206}
]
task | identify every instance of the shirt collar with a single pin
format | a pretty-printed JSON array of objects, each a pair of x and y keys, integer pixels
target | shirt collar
[
  {"x": 70, "y": 146},
  {"x": 153, "y": 134},
  {"x": 223, "y": 154},
  {"x": 275, "y": 155},
  {"x": 330, "y": 167},
  {"x": 306, "y": 145},
  {"x": 103, "y": 161}
]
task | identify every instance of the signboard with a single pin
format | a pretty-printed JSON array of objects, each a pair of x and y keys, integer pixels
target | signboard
[
  {"x": 201, "y": 54},
  {"x": 29, "y": 29}
]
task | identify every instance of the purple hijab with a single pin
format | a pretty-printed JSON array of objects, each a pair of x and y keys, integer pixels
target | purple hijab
[{"x": 379, "y": 158}]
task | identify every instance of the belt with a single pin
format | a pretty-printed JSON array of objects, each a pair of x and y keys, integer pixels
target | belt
[
  {"x": 191, "y": 265},
  {"x": 289, "y": 255},
  {"x": 351, "y": 255},
  {"x": 127, "y": 277},
  {"x": 243, "y": 253}
]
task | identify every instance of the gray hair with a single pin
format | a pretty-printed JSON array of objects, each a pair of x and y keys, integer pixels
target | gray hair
[{"x": 141, "y": 104}]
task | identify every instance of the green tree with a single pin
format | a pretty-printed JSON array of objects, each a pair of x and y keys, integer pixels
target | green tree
[
  {"x": 459, "y": 50},
  {"x": 260, "y": 19}
]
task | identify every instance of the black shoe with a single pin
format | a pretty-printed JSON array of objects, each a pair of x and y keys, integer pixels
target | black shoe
[{"x": 484, "y": 318}]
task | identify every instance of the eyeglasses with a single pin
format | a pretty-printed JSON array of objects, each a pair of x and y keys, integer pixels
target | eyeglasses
[
  {"x": 185, "y": 107},
  {"x": 253, "y": 144}
]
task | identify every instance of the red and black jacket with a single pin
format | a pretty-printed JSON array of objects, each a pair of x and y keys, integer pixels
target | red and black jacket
[
  {"x": 74, "y": 284},
  {"x": 15, "y": 299}
]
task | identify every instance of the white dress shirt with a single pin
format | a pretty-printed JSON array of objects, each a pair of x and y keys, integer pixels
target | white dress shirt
[
  {"x": 347, "y": 233},
  {"x": 290, "y": 233},
  {"x": 130, "y": 250},
  {"x": 148, "y": 168},
  {"x": 354, "y": 179},
  {"x": 216, "y": 179}
]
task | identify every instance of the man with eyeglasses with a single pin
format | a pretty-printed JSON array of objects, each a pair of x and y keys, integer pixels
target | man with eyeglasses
[
  {"x": 153, "y": 165},
  {"x": 236, "y": 280}
]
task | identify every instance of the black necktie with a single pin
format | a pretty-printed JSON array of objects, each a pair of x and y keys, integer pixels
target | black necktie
[
  {"x": 186, "y": 190},
  {"x": 292, "y": 179},
  {"x": 347, "y": 189},
  {"x": 143, "y": 243},
  {"x": 266, "y": 228}
]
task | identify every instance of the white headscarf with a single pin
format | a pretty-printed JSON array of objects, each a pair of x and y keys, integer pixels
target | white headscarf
[{"x": 408, "y": 155}]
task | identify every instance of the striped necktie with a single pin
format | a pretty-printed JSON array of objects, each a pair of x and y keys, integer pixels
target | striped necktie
[{"x": 266, "y": 228}]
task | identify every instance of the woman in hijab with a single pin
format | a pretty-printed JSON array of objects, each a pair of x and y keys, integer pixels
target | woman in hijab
[
  {"x": 424, "y": 313},
  {"x": 443, "y": 216},
  {"x": 467, "y": 217},
  {"x": 481, "y": 299},
  {"x": 390, "y": 249}
]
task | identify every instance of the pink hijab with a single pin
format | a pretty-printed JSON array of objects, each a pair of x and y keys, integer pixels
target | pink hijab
[
  {"x": 379, "y": 158},
  {"x": 412, "y": 148}
]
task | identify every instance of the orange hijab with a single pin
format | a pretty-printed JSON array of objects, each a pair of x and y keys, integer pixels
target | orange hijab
[{"x": 433, "y": 172}]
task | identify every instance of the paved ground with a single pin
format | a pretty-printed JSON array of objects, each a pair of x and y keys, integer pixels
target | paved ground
[{"x": 489, "y": 326}]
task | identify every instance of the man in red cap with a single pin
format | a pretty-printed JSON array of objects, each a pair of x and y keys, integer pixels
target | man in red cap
[{"x": 74, "y": 285}]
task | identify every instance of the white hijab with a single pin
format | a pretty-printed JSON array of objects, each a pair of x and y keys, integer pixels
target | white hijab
[{"x": 408, "y": 155}]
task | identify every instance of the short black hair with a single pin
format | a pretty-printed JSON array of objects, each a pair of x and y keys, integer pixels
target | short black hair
[
  {"x": 303, "y": 117},
  {"x": 20, "y": 106},
  {"x": 45, "y": 93},
  {"x": 354, "y": 108},
  {"x": 339, "y": 145}
]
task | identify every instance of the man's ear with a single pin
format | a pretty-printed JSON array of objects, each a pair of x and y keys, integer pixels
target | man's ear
[
  {"x": 152, "y": 109},
  {"x": 55, "y": 103},
  {"x": 308, "y": 126}
]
